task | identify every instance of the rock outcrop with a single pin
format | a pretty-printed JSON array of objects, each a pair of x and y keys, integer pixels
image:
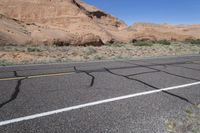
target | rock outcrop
[
  {"x": 165, "y": 32},
  {"x": 48, "y": 20}
]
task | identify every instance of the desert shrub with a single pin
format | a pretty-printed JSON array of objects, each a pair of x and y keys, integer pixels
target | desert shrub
[
  {"x": 5, "y": 63},
  {"x": 98, "y": 57},
  {"x": 61, "y": 43},
  {"x": 115, "y": 45},
  {"x": 86, "y": 57},
  {"x": 34, "y": 49},
  {"x": 189, "y": 123},
  {"x": 91, "y": 51},
  {"x": 164, "y": 42},
  {"x": 195, "y": 41},
  {"x": 74, "y": 53},
  {"x": 143, "y": 43}
]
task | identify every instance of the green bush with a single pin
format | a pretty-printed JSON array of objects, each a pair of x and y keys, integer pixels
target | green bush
[
  {"x": 115, "y": 44},
  {"x": 34, "y": 49},
  {"x": 98, "y": 57},
  {"x": 195, "y": 41},
  {"x": 5, "y": 63},
  {"x": 91, "y": 51},
  {"x": 143, "y": 43},
  {"x": 164, "y": 42},
  {"x": 60, "y": 43}
]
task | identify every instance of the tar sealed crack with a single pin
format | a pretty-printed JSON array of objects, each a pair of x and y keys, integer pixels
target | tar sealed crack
[
  {"x": 166, "y": 72},
  {"x": 195, "y": 69},
  {"x": 87, "y": 73},
  {"x": 15, "y": 93},
  {"x": 137, "y": 80}
]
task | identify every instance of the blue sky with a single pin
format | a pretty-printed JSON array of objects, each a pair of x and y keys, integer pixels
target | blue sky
[{"x": 153, "y": 11}]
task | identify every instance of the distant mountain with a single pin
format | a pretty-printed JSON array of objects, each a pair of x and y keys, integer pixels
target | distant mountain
[{"x": 73, "y": 22}]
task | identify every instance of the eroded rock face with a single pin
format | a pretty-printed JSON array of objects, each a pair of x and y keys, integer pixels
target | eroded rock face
[
  {"x": 71, "y": 16},
  {"x": 90, "y": 39},
  {"x": 165, "y": 31},
  {"x": 12, "y": 32}
]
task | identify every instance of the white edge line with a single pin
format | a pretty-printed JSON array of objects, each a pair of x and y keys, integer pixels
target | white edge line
[{"x": 30, "y": 117}]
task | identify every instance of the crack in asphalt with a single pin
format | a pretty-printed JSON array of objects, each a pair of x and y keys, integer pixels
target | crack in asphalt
[
  {"x": 15, "y": 73},
  {"x": 177, "y": 75},
  {"x": 47, "y": 68},
  {"x": 15, "y": 93},
  {"x": 195, "y": 69},
  {"x": 137, "y": 80},
  {"x": 87, "y": 73},
  {"x": 134, "y": 66},
  {"x": 142, "y": 73},
  {"x": 19, "y": 82}
]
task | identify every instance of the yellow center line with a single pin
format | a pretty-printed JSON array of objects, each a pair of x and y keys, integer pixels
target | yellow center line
[
  {"x": 36, "y": 76},
  {"x": 15, "y": 78},
  {"x": 50, "y": 75}
]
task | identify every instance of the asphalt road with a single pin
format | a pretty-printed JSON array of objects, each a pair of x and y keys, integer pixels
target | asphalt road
[{"x": 127, "y": 96}]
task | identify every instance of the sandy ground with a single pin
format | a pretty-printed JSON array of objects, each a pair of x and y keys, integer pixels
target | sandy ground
[{"x": 28, "y": 54}]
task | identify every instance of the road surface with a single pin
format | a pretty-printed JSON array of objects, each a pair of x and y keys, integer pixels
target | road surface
[{"x": 123, "y": 96}]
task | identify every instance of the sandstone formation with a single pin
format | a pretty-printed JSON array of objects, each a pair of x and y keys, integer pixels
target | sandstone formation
[
  {"x": 67, "y": 20},
  {"x": 73, "y": 22},
  {"x": 165, "y": 32}
]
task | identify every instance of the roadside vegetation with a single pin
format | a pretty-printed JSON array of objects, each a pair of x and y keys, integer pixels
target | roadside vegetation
[
  {"x": 143, "y": 43},
  {"x": 163, "y": 42},
  {"x": 26, "y": 54},
  {"x": 5, "y": 63},
  {"x": 195, "y": 41},
  {"x": 151, "y": 43},
  {"x": 34, "y": 49},
  {"x": 189, "y": 124}
]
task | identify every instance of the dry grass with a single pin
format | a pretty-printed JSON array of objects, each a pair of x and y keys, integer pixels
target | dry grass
[
  {"x": 5, "y": 63},
  {"x": 26, "y": 54},
  {"x": 189, "y": 124}
]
